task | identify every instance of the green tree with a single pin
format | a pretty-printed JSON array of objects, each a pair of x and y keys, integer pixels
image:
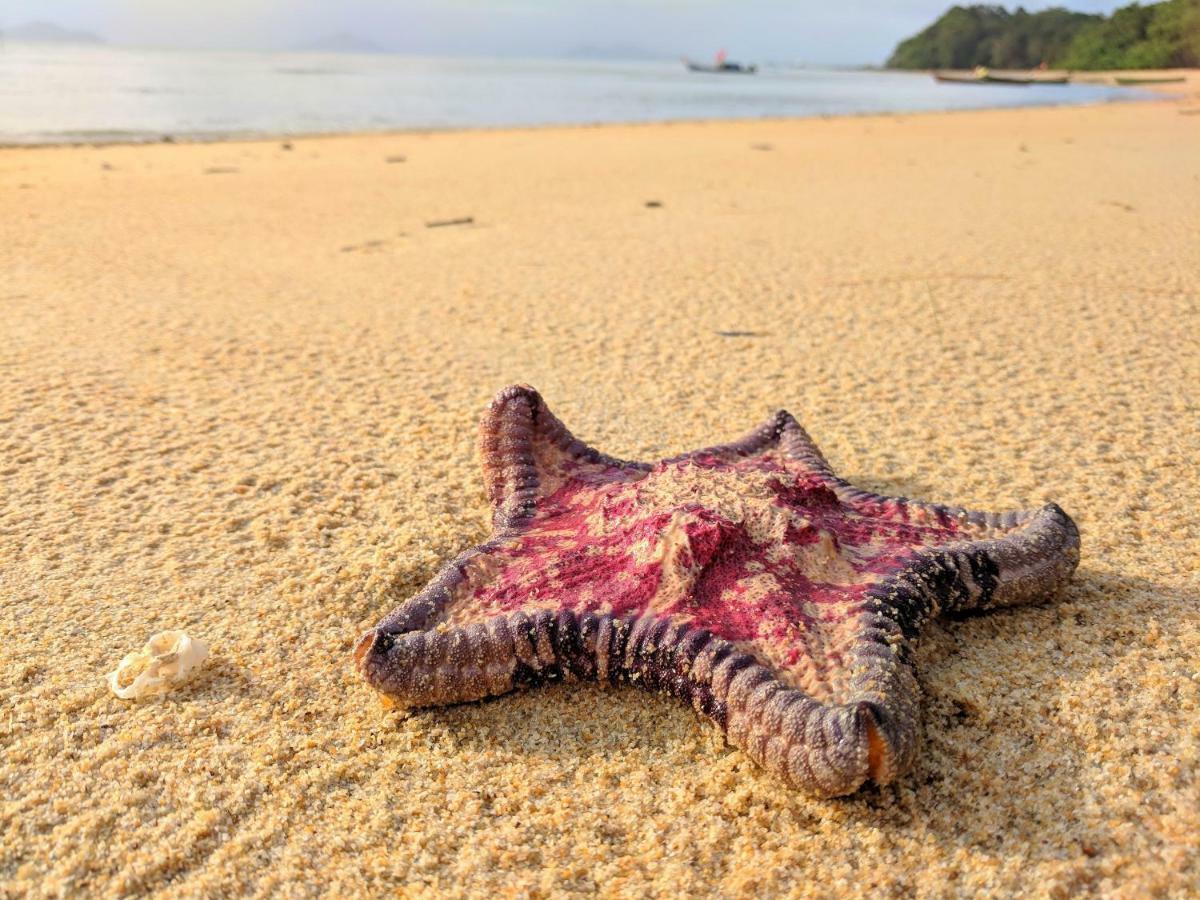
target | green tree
[
  {"x": 1176, "y": 24},
  {"x": 1141, "y": 37}
]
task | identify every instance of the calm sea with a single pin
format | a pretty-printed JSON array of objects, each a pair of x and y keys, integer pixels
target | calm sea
[{"x": 68, "y": 93}]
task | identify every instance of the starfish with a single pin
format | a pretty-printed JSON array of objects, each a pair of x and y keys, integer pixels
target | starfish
[{"x": 746, "y": 579}]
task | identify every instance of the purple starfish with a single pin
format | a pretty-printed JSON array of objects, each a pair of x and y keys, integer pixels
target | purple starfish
[{"x": 746, "y": 579}]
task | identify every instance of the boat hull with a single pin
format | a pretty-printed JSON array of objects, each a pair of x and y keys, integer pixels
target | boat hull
[
  {"x": 1134, "y": 82},
  {"x": 726, "y": 69}
]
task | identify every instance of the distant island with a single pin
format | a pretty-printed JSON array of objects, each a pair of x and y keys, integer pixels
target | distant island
[
  {"x": 1161, "y": 36},
  {"x": 341, "y": 43},
  {"x": 48, "y": 33}
]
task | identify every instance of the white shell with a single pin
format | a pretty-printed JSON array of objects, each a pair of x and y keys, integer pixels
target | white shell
[{"x": 169, "y": 659}]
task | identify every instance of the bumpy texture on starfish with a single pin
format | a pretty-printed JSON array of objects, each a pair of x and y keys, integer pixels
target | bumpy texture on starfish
[{"x": 745, "y": 579}]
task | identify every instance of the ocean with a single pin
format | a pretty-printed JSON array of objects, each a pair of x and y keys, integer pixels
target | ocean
[{"x": 67, "y": 94}]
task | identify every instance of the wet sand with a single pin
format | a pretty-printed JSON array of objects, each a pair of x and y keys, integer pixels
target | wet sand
[{"x": 238, "y": 393}]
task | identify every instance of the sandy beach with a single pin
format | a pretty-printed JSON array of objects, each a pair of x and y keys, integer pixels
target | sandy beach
[{"x": 239, "y": 385}]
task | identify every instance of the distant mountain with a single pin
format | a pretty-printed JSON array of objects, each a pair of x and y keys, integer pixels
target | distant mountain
[
  {"x": 341, "y": 43},
  {"x": 613, "y": 51},
  {"x": 48, "y": 33}
]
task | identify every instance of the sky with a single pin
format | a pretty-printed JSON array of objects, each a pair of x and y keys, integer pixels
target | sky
[{"x": 814, "y": 31}]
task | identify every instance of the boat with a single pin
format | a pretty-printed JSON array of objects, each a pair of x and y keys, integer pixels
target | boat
[
  {"x": 977, "y": 78},
  {"x": 989, "y": 78},
  {"x": 720, "y": 66},
  {"x": 729, "y": 68},
  {"x": 958, "y": 79},
  {"x": 1018, "y": 80},
  {"x": 1126, "y": 81}
]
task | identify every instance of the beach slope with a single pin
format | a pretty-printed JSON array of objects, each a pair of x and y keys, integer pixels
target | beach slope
[{"x": 239, "y": 385}]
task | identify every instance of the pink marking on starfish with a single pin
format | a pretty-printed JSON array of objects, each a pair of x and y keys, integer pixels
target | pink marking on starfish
[{"x": 746, "y": 579}]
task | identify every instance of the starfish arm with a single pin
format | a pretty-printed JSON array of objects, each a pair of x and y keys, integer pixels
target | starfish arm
[
  {"x": 981, "y": 560},
  {"x": 1001, "y": 559},
  {"x": 781, "y": 434},
  {"x": 827, "y": 750},
  {"x": 974, "y": 560},
  {"x": 527, "y": 452},
  {"x": 425, "y": 609},
  {"x": 1031, "y": 560}
]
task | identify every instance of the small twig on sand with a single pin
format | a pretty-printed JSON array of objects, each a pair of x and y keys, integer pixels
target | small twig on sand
[
  {"x": 368, "y": 245},
  {"x": 399, "y": 158},
  {"x": 442, "y": 223},
  {"x": 739, "y": 333},
  {"x": 653, "y": 204},
  {"x": 220, "y": 170}
]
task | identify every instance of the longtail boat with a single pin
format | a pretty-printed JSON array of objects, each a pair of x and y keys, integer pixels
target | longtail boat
[
  {"x": 946, "y": 78},
  {"x": 1126, "y": 81},
  {"x": 1021, "y": 80},
  {"x": 958, "y": 79},
  {"x": 725, "y": 68},
  {"x": 989, "y": 78}
]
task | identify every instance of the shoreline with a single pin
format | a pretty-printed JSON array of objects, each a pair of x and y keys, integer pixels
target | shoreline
[{"x": 272, "y": 137}]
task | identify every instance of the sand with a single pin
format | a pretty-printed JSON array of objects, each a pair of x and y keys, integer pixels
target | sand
[{"x": 238, "y": 392}]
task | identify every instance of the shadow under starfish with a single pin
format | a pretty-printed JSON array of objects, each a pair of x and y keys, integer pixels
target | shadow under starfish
[{"x": 746, "y": 579}]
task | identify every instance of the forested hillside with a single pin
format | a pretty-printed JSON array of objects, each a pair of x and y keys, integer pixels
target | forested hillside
[{"x": 1162, "y": 35}]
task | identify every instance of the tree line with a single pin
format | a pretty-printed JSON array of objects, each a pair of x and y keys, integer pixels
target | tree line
[{"x": 1160, "y": 36}]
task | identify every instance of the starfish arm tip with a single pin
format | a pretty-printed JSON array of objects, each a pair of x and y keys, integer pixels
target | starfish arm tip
[
  {"x": 526, "y": 450},
  {"x": 827, "y": 750},
  {"x": 1035, "y": 559}
]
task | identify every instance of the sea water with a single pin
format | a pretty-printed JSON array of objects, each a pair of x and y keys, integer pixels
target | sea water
[{"x": 59, "y": 93}]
